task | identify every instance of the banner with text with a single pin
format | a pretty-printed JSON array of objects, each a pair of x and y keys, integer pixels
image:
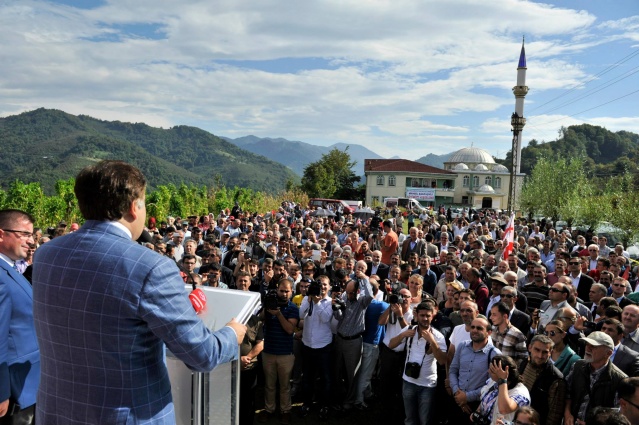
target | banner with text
[{"x": 421, "y": 194}]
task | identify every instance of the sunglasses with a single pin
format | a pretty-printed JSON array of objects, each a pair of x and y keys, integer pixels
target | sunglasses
[
  {"x": 572, "y": 263},
  {"x": 507, "y": 296},
  {"x": 558, "y": 290},
  {"x": 552, "y": 333}
]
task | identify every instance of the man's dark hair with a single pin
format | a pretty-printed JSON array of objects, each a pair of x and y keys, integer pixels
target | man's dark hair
[
  {"x": 429, "y": 237},
  {"x": 470, "y": 292},
  {"x": 606, "y": 302},
  {"x": 501, "y": 308},
  {"x": 627, "y": 387},
  {"x": 605, "y": 416},
  {"x": 278, "y": 263},
  {"x": 616, "y": 323},
  {"x": 604, "y": 261},
  {"x": 613, "y": 312},
  {"x": 424, "y": 306},
  {"x": 215, "y": 266},
  {"x": 388, "y": 223},
  {"x": 9, "y": 217},
  {"x": 188, "y": 257},
  {"x": 242, "y": 273},
  {"x": 106, "y": 190}
]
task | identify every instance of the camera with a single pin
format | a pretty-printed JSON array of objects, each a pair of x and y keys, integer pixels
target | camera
[
  {"x": 479, "y": 419},
  {"x": 590, "y": 325},
  {"x": 412, "y": 370},
  {"x": 271, "y": 300},
  {"x": 395, "y": 299},
  {"x": 336, "y": 288},
  {"x": 314, "y": 289},
  {"x": 339, "y": 304}
]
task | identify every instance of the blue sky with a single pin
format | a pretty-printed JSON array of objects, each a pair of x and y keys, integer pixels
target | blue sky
[{"x": 403, "y": 78}]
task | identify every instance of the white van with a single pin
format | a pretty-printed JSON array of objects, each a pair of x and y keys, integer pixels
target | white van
[{"x": 405, "y": 204}]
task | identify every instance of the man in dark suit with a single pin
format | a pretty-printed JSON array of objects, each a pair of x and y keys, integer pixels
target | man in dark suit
[
  {"x": 581, "y": 281},
  {"x": 413, "y": 244},
  {"x": 19, "y": 354},
  {"x": 376, "y": 267},
  {"x": 518, "y": 319},
  {"x": 624, "y": 358},
  {"x": 105, "y": 308},
  {"x": 630, "y": 320}
]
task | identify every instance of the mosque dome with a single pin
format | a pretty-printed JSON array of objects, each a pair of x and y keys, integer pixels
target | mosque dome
[
  {"x": 486, "y": 188},
  {"x": 472, "y": 155},
  {"x": 498, "y": 168},
  {"x": 460, "y": 166},
  {"x": 481, "y": 167}
]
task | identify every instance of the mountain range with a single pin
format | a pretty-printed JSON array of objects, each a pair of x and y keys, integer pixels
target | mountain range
[
  {"x": 46, "y": 145},
  {"x": 297, "y": 155}
]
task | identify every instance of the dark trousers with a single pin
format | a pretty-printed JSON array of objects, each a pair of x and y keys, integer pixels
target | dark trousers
[
  {"x": 390, "y": 375},
  {"x": 317, "y": 363},
  {"x": 23, "y": 417},
  {"x": 248, "y": 381}
]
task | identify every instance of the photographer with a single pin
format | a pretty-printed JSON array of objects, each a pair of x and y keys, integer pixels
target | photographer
[
  {"x": 349, "y": 309},
  {"x": 426, "y": 347},
  {"x": 316, "y": 312},
  {"x": 396, "y": 317},
  {"x": 280, "y": 318}
]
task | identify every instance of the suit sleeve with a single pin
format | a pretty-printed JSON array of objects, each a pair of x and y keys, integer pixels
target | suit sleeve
[
  {"x": 5, "y": 318},
  {"x": 164, "y": 306}
]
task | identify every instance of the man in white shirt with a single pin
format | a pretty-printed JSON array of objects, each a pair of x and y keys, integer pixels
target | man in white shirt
[
  {"x": 426, "y": 347},
  {"x": 316, "y": 312}
]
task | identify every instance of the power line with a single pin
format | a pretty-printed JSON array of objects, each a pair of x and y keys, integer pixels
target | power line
[{"x": 603, "y": 72}]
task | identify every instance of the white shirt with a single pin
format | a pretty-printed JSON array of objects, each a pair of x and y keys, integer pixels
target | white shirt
[
  {"x": 417, "y": 354},
  {"x": 317, "y": 326},
  {"x": 459, "y": 334},
  {"x": 394, "y": 329}
]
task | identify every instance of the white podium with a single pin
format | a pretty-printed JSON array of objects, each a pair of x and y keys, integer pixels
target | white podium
[{"x": 212, "y": 398}]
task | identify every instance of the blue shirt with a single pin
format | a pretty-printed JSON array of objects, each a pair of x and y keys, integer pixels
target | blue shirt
[
  {"x": 373, "y": 331},
  {"x": 276, "y": 340},
  {"x": 469, "y": 369}
]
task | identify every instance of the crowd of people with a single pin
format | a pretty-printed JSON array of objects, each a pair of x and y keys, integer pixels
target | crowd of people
[
  {"x": 437, "y": 324},
  {"x": 435, "y": 316}
]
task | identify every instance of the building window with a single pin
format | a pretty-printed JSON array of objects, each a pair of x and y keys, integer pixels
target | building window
[
  {"x": 488, "y": 180},
  {"x": 465, "y": 200},
  {"x": 476, "y": 181},
  {"x": 466, "y": 181},
  {"x": 498, "y": 182},
  {"x": 414, "y": 182},
  {"x": 391, "y": 181},
  {"x": 380, "y": 180}
]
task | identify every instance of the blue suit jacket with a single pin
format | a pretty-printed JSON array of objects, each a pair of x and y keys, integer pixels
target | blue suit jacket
[
  {"x": 19, "y": 355},
  {"x": 103, "y": 307}
]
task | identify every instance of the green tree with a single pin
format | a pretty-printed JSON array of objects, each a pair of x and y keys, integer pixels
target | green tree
[
  {"x": 559, "y": 188},
  {"x": 331, "y": 176}
]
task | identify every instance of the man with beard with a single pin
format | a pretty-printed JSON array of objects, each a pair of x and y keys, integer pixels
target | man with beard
[
  {"x": 544, "y": 381},
  {"x": 426, "y": 348},
  {"x": 592, "y": 381},
  {"x": 277, "y": 356},
  {"x": 469, "y": 370}
]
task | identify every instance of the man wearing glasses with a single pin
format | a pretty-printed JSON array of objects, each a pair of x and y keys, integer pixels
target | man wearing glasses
[
  {"x": 580, "y": 281},
  {"x": 19, "y": 354},
  {"x": 629, "y": 399},
  {"x": 517, "y": 318},
  {"x": 592, "y": 381},
  {"x": 557, "y": 299}
]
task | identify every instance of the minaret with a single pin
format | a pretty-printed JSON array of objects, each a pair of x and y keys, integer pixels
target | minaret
[
  {"x": 517, "y": 121},
  {"x": 520, "y": 91}
]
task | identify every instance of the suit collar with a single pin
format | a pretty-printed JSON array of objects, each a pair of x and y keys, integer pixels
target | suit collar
[
  {"x": 17, "y": 277},
  {"x": 109, "y": 227}
]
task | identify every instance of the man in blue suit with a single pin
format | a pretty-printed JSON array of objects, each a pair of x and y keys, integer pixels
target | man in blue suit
[
  {"x": 19, "y": 355},
  {"x": 105, "y": 306}
]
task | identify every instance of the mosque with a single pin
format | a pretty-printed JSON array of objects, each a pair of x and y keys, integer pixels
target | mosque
[{"x": 470, "y": 177}]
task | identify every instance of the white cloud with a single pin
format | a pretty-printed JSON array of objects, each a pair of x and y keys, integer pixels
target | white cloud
[{"x": 426, "y": 76}]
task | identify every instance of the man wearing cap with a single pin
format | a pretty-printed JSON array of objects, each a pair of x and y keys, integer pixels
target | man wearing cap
[{"x": 592, "y": 381}]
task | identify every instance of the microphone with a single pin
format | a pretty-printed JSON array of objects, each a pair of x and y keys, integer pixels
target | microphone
[{"x": 198, "y": 299}]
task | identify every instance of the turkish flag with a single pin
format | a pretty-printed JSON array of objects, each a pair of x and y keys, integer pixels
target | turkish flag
[{"x": 509, "y": 237}]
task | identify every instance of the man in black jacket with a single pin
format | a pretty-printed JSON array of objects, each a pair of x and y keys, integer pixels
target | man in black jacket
[{"x": 544, "y": 381}]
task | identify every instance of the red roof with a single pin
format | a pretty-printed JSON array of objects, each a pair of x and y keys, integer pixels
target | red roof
[{"x": 402, "y": 165}]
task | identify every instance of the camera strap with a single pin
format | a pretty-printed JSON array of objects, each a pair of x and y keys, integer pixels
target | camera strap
[{"x": 410, "y": 345}]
